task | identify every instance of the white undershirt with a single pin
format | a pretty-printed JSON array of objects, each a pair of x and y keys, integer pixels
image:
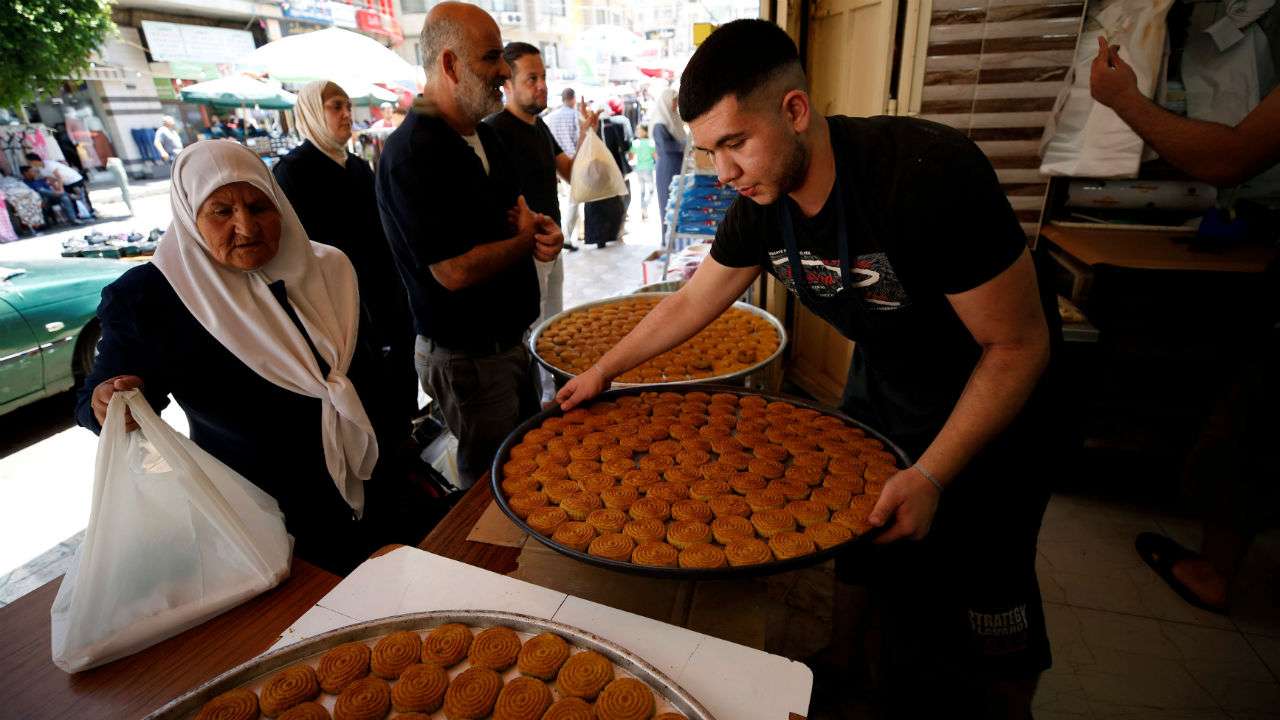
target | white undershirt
[{"x": 474, "y": 141}]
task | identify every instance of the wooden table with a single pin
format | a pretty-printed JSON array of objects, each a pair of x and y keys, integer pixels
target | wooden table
[
  {"x": 449, "y": 537},
  {"x": 31, "y": 686},
  {"x": 1079, "y": 251}
]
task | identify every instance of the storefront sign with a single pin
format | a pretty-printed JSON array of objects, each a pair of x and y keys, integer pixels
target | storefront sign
[
  {"x": 195, "y": 43},
  {"x": 294, "y": 27},
  {"x": 344, "y": 15},
  {"x": 316, "y": 11},
  {"x": 376, "y": 23},
  {"x": 370, "y": 21}
]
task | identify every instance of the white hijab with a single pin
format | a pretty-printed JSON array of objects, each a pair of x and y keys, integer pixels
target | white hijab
[
  {"x": 238, "y": 309},
  {"x": 665, "y": 116},
  {"x": 309, "y": 113}
]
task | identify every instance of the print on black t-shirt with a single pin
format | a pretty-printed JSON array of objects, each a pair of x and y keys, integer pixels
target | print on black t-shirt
[{"x": 873, "y": 274}]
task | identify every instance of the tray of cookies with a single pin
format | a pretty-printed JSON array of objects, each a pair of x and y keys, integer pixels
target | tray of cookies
[
  {"x": 443, "y": 665},
  {"x": 741, "y": 341},
  {"x": 695, "y": 481}
]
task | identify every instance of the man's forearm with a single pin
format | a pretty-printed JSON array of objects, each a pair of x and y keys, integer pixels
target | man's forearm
[
  {"x": 998, "y": 389},
  {"x": 481, "y": 262},
  {"x": 1206, "y": 150}
]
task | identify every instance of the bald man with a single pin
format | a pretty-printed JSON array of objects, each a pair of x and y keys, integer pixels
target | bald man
[{"x": 464, "y": 239}]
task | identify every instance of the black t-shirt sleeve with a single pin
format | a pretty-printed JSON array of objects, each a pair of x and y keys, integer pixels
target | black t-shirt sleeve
[
  {"x": 968, "y": 233},
  {"x": 739, "y": 242}
]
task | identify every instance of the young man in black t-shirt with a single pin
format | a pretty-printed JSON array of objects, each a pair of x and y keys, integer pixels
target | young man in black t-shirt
[
  {"x": 895, "y": 231},
  {"x": 536, "y": 156}
]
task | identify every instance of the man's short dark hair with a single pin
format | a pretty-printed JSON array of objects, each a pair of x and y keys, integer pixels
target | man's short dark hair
[
  {"x": 737, "y": 59},
  {"x": 32, "y": 157},
  {"x": 516, "y": 50},
  {"x": 567, "y": 95}
]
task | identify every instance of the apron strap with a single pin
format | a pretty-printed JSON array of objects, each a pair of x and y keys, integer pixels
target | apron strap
[{"x": 799, "y": 276}]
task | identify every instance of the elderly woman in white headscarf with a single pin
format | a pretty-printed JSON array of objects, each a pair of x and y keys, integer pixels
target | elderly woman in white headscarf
[
  {"x": 256, "y": 332},
  {"x": 670, "y": 139},
  {"x": 332, "y": 192}
]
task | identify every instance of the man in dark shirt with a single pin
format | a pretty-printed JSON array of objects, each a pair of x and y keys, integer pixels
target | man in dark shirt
[
  {"x": 464, "y": 239},
  {"x": 535, "y": 155},
  {"x": 895, "y": 231}
]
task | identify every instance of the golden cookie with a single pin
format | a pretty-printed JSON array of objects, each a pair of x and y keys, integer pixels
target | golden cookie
[
  {"x": 542, "y": 655},
  {"x": 625, "y": 699},
  {"x": 788, "y": 544},
  {"x": 420, "y": 688},
  {"x": 585, "y": 674},
  {"x": 655, "y": 554},
  {"x": 343, "y": 665},
  {"x": 702, "y": 556},
  {"x": 472, "y": 694},
  {"x": 395, "y": 652},
  {"x": 447, "y": 645},
  {"x": 495, "y": 648},
  {"x": 238, "y": 704},
  {"x": 365, "y": 699},
  {"x": 613, "y": 546},
  {"x": 291, "y": 686}
]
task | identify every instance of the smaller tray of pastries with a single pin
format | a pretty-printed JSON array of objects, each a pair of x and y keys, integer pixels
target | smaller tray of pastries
[
  {"x": 446, "y": 665},
  {"x": 743, "y": 339},
  {"x": 694, "y": 481}
]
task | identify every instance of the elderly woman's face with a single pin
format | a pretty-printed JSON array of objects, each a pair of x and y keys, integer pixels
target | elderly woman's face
[
  {"x": 337, "y": 113},
  {"x": 240, "y": 225}
]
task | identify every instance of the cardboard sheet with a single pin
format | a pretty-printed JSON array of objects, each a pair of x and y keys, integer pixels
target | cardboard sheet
[{"x": 495, "y": 528}]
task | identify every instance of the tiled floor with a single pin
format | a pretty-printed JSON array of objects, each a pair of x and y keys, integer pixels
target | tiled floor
[{"x": 1124, "y": 645}]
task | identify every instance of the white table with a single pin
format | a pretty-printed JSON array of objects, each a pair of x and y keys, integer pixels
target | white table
[{"x": 732, "y": 681}]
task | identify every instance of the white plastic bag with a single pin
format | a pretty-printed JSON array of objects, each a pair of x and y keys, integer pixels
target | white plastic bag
[
  {"x": 1085, "y": 138},
  {"x": 174, "y": 538},
  {"x": 595, "y": 174}
]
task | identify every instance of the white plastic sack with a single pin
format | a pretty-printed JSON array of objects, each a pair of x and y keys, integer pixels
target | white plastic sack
[
  {"x": 174, "y": 538},
  {"x": 1085, "y": 138},
  {"x": 442, "y": 454},
  {"x": 595, "y": 174}
]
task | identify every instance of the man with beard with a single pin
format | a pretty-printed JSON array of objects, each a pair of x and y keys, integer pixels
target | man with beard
[
  {"x": 896, "y": 232},
  {"x": 464, "y": 239},
  {"x": 534, "y": 153}
]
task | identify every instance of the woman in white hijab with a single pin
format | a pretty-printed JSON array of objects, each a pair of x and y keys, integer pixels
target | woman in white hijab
[
  {"x": 255, "y": 331},
  {"x": 670, "y": 139},
  {"x": 332, "y": 192}
]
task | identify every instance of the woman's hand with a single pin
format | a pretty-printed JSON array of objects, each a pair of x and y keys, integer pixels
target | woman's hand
[{"x": 102, "y": 396}]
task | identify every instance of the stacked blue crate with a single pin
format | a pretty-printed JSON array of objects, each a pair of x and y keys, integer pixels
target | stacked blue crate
[{"x": 699, "y": 207}]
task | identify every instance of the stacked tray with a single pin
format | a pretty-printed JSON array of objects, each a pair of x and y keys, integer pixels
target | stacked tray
[
  {"x": 279, "y": 670},
  {"x": 760, "y": 318},
  {"x": 754, "y": 470}
]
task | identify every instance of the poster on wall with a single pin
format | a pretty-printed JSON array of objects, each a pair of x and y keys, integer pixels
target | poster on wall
[{"x": 170, "y": 42}]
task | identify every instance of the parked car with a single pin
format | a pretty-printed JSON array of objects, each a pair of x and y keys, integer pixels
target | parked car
[{"x": 48, "y": 325}]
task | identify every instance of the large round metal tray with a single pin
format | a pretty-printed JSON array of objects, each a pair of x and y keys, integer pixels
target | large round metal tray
[
  {"x": 562, "y": 376},
  {"x": 678, "y": 573},
  {"x": 257, "y": 670}
]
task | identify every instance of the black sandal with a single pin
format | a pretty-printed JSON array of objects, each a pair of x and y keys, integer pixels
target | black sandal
[{"x": 1160, "y": 554}]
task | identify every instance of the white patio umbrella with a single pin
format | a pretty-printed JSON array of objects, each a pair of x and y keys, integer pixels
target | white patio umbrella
[{"x": 331, "y": 54}]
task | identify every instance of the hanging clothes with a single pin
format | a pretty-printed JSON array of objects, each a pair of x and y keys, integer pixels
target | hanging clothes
[{"x": 1227, "y": 65}]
